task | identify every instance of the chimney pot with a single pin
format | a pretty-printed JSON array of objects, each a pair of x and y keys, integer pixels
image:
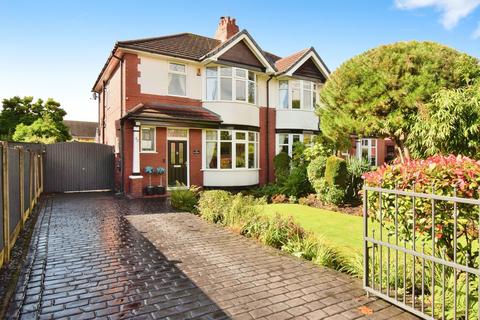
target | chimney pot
[{"x": 227, "y": 28}]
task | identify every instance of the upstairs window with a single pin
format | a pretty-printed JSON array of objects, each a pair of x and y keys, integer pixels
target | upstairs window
[
  {"x": 177, "y": 78},
  {"x": 297, "y": 94},
  {"x": 230, "y": 84}
]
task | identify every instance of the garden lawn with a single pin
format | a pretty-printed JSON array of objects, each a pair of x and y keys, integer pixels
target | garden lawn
[{"x": 341, "y": 230}]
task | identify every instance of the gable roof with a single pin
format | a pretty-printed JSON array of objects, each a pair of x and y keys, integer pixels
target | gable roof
[
  {"x": 182, "y": 45},
  {"x": 290, "y": 64},
  {"x": 83, "y": 129},
  {"x": 284, "y": 64}
]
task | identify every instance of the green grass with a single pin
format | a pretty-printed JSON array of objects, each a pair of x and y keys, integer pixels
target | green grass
[{"x": 342, "y": 230}]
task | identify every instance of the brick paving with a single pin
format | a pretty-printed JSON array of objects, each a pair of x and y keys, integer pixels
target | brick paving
[{"x": 96, "y": 256}]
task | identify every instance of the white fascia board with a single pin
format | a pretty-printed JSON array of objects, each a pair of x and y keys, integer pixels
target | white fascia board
[
  {"x": 250, "y": 45},
  {"x": 316, "y": 60}
]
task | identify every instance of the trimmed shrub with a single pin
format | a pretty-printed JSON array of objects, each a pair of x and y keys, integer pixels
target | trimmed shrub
[
  {"x": 336, "y": 172},
  {"x": 316, "y": 169},
  {"x": 213, "y": 204},
  {"x": 297, "y": 184},
  {"x": 282, "y": 166},
  {"x": 185, "y": 199}
]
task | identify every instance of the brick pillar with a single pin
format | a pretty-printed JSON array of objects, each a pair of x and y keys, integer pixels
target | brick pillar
[{"x": 267, "y": 170}]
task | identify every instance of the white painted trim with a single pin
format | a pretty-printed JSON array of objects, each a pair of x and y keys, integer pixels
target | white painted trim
[
  {"x": 136, "y": 149},
  {"x": 135, "y": 177},
  {"x": 317, "y": 61},
  {"x": 250, "y": 45},
  {"x": 157, "y": 55}
]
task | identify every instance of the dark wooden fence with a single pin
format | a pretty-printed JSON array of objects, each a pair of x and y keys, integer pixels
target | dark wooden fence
[{"x": 21, "y": 178}]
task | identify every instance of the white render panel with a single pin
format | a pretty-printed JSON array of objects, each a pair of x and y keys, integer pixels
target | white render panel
[
  {"x": 236, "y": 113},
  {"x": 297, "y": 119},
  {"x": 153, "y": 77},
  {"x": 230, "y": 178}
]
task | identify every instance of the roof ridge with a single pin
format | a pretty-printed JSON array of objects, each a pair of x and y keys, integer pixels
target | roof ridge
[{"x": 163, "y": 37}]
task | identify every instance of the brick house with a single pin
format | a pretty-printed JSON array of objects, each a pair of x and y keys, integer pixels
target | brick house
[{"x": 213, "y": 112}]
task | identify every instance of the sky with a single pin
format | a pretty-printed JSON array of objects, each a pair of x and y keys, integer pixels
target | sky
[{"x": 56, "y": 49}]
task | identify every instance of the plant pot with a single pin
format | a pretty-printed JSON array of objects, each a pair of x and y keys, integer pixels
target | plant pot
[
  {"x": 149, "y": 190},
  {"x": 159, "y": 190}
]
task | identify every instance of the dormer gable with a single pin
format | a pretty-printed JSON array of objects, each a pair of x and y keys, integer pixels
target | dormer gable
[
  {"x": 305, "y": 64},
  {"x": 242, "y": 54}
]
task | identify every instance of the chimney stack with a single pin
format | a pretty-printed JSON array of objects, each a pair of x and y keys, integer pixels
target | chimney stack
[{"x": 226, "y": 29}]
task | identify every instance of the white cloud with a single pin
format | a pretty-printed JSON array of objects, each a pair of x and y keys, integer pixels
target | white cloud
[{"x": 452, "y": 10}]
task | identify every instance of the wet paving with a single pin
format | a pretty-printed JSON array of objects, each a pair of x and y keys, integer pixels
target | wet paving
[{"x": 98, "y": 256}]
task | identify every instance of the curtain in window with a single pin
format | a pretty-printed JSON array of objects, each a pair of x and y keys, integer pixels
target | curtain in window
[{"x": 176, "y": 84}]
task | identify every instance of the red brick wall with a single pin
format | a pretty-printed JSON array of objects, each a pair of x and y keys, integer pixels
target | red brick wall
[
  {"x": 263, "y": 179},
  {"x": 196, "y": 173},
  {"x": 128, "y": 154}
]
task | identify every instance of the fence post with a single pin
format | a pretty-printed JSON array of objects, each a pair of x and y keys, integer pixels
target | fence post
[
  {"x": 41, "y": 173},
  {"x": 365, "y": 242},
  {"x": 6, "y": 222},
  {"x": 21, "y": 173},
  {"x": 32, "y": 156}
]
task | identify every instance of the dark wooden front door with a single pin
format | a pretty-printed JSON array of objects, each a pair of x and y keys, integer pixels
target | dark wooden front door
[{"x": 177, "y": 162}]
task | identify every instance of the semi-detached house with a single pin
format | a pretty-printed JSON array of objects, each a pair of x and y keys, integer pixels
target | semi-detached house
[{"x": 213, "y": 112}]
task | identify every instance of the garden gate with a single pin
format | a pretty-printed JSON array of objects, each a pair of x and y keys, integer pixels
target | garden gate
[
  {"x": 78, "y": 166},
  {"x": 421, "y": 252}
]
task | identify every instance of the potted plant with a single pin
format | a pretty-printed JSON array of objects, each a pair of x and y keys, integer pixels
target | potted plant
[
  {"x": 149, "y": 190},
  {"x": 160, "y": 188}
]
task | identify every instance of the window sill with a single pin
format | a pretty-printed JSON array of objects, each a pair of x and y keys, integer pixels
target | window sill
[
  {"x": 177, "y": 96},
  {"x": 289, "y": 109},
  {"x": 230, "y": 101},
  {"x": 226, "y": 170},
  {"x": 148, "y": 152}
]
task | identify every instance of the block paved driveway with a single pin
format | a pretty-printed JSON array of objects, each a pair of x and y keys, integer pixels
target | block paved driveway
[{"x": 96, "y": 256}]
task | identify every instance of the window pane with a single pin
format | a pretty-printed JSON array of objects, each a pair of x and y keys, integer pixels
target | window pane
[
  {"x": 295, "y": 94},
  {"x": 211, "y": 135},
  {"x": 225, "y": 155},
  {"x": 176, "y": 84},
  {"x": 251, "y": 155},
  {"x": 314, "y": 99},
  {"x": 148, "y": 139},
  {"x": 283, "y": 138},
  {"x": 225, "y": 88},
  {"x": 240, "y": 73},
  {"x": 284, "y": 149},
  {"x": 177, "y": 133},
  {"x": 251, "y": 136},
  {"x": 226, "y": 71},
  {"x": 225, "y": 135},
  {"x": 240, "y": 90},
  {"x": 177, "y": 67},
  {"x": 211, "y": 154},
  {"x": 212, "y": 71},
  {"x": 295, "y": 138},
  {"x": 251, "y": 92},
  {"x": 307, "y": 99},
  {"x": 284, "y": 98},
  {"x": 283, "y": 84},
  {"x": 240, "y": 136},
  {"x": 240, "y": 155},
  {"x": 307, "y": 138},
  {"x": 212, "y": 86},
  {"x": 251, "y": 75}
]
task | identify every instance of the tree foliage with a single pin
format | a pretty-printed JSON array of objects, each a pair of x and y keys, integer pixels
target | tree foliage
[
  {"x": 450, "y": 124},
  {"x": 25, "y": 111},
  {"x": 380, "y": 92},
  {"x": 42, "y": 130}
]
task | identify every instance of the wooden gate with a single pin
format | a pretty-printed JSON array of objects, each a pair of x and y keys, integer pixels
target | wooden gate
[{"x": 78, "y": 166}]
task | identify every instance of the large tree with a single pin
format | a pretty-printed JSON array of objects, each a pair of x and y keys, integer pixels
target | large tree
[
  {"x": 25, "y": 111},
  {"x": 42, "y": 130},
  {"x": 450, "y": 124},
  {"x": 380, "y": 92}
]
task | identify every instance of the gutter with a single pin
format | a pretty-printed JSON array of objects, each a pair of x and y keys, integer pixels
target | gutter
[
  {"x": 268, "y": 127},
  {"x": 122, "y": 130}
]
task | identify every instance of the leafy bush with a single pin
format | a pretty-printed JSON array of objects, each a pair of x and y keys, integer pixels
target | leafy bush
[
  {"x": 310, "y": 200},
  {"x": 444, "y": 175},
  {"x": 279, "y": 230},
  {"x": 213, "y": 204},
  {"x": 356, "y": 168},
  {"x": 281, "y": 163},
  {"x": 333, "y": 195},
  {"x": 279, "y": 198},
  {"x": 296, "y": 184},
  {"x": 267, "y": 191},
  {"x": 185, "y": 199},
  {"x": 316, "y": 169},
  {"x": 336, "y": 172},
  {"x": 241, "y": 210}
]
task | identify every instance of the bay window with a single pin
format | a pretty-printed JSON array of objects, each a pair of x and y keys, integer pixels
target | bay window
[
  {"x": 297, "y": 94},
  {"x": 234, "y": 84},
  {"x": 237, "y": 149},
  {"x": 177, "y": 79}
]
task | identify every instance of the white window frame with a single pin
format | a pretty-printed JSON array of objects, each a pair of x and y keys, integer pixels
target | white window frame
[
  {"x": 177, "y": 72},
  {"x": 370, "y": 144},
  {"x": 290, "y": 140},
  {"x": 154, "y": 139},
  {"x": 234, "y": 79},
  {"x": 313, "y": 88},
  {"x": 234, "y": 143}
]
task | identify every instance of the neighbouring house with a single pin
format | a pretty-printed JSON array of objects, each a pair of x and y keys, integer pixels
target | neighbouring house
[
  {"x": 82, "y": 131},
  {"x": 213, "y": 112}
]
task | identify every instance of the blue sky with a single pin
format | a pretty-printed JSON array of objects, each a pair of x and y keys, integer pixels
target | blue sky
[{"x": 57, "y": 48}]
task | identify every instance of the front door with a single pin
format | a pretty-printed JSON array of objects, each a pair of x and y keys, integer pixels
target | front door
[{"x": 177, "y": 163}]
